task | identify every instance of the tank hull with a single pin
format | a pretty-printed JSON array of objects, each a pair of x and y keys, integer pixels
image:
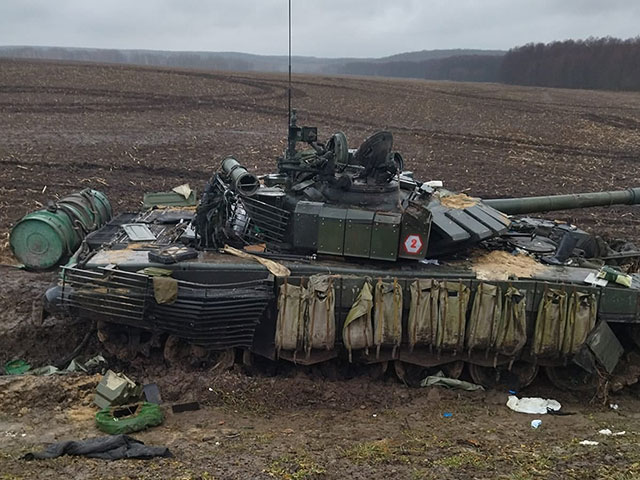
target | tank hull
[{"x": 224, "y": 302}]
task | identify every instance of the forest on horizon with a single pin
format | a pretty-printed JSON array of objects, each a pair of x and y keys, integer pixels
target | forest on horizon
[{"x": 594, "y": 63}]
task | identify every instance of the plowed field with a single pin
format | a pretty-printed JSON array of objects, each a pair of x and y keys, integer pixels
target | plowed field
[{"x": 125, "y": 130}]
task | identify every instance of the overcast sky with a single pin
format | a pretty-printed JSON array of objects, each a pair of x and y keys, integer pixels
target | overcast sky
[{"x": 329, "y": 28}]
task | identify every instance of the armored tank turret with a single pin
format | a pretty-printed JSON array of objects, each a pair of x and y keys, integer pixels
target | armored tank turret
[
  {"x": 360, "y": 204},
  {"x": 341, "y": 257}
]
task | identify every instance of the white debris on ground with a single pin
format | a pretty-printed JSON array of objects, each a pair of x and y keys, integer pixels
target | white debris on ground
[{"x": 532, "y": 405}]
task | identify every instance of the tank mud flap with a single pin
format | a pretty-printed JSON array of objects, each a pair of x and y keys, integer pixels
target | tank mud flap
[
  {"x": 438, "y": 314},
  {"x": 306, "y": 316},
  {"x": 388, "y": 315},
  {"x": 291, "y": 313},
  {"x": 512, "y": 329},
  {"x": 497, "y": 322},
  {"x": 320, "y": 329},
  {"x": 486, "y": 313},
  {"x": 563, "y": 322},
  {"x": 423, "y": 313},
  {"x": 357, "y": 332},
  {"x": 581, "y": 319},
  {"x": 453, "y": 302},
  {"x": 550, "y": 322}
]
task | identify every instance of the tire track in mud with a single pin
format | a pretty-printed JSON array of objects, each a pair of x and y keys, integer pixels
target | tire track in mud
[
  {"x": 139, "y": 102},
  {"x": 113, "y": 168},
  {"x": 488, "y": 140},
  {"x": 154, "y": 102},
  {"x": 527, "y": 101}
]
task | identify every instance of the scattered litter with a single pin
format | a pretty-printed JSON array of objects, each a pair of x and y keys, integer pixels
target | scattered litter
[
  {"x": 536, "y": 423},
  {"x": 613, "y": 275},
  {"x": 533, "y": 405},
  {"x": 116, "y": 389},
  {"x": 374, "y": 415},
  {"x": 94, "y": 364},
  {"x": 112, "y": 447},
  {"x": 440, "y": 380},
  {"x": 16, "y": 367},
  {"x": 593, "y": 280},
  {"x": 430, "y": 261},
  {"x": 185, "y": 407},
  {"x": 184, "y": 190},
  {"x": 210, "y": 389},
  {"x": 447, "y": 414},
  {"x": 613, "y": 406},
  {"x": 589, "y": 442},
  {"x": 434, "y": 183},
  {"x": 152, "y": 393},
  {"x": 607, "y": 431},
  {"x": 275, "y": 268},
  {"x": 129, "y": 418}
]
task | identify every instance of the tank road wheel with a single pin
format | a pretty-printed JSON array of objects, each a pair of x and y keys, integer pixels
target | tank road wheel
[
  {"x": 519, "y": 376},
  {"x": 572, "y": 378},
  {"x": 179, "y": 352},
  {"x": 412, "y": 374},
  {"x": 376, "y": 371},
  {"x": 224, "y": 360},
  {"x": 453, "y": 369},
  {"x": 124, "y": 342}
]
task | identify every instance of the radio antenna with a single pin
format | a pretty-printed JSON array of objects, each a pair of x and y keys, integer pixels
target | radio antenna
[{"x": 289, "y": 87}]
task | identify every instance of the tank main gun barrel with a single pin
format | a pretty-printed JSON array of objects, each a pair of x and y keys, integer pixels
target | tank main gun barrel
[{"x": 526, "y": 205}]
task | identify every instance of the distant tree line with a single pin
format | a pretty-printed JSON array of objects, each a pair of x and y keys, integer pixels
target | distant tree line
[{"x": 595, "y": 63}]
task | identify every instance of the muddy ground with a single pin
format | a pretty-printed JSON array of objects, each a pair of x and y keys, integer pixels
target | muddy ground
[{"x": 129, "y": 130}]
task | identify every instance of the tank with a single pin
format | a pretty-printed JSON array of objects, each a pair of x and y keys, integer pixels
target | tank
[{"x": 341, "y": 258}]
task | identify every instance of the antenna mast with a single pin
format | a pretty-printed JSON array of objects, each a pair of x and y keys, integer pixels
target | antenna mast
[{"x": 289, "y": 87}]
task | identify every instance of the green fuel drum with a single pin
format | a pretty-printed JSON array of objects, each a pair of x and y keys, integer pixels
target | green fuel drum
[{"x": 43, "y": 239}]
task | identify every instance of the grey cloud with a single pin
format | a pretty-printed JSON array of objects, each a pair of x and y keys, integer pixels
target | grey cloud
[{"x": 321, "y": 27}]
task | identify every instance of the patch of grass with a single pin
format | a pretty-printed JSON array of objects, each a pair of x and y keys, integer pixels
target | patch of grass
[
  {"x": 294, "y": 467},
  {"x": 235, "y": 401},
  {"x": 374, "y": 453},
  {"x": 619, "y": 472}
]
